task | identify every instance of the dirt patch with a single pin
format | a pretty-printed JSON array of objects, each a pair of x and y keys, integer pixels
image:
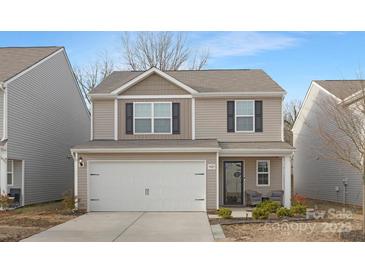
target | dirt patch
[
  {"x": 288, "y": 232},
  {"x": 340, "y": 223},
  {"x": 21, "y": 223}
]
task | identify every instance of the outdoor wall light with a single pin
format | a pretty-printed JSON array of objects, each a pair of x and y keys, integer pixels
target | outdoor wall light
[{"x": 81, "y": 162}]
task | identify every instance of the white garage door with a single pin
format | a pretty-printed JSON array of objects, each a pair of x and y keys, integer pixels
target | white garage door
[{"x": 147, "y": 186}]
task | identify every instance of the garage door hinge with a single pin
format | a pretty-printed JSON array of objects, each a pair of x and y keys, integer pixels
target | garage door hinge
[
  {"x": 94, "y": 200},
  {"x": 94, "y": 174},
  {"x": 199, "y": 174}
]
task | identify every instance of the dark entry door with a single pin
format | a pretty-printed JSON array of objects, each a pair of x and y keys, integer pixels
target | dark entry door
[{"x": 233, "y": 182}]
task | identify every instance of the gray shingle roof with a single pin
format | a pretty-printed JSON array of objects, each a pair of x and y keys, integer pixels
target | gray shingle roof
[
  {"x": 14, "y": 60},
  {"x": 342, "y": 88},
  {"x": 255, "y": 145},
  {"x": 230, "y": 80},
  {"x": 207, "y": 143},
  {"x": 201, "y": 143}
]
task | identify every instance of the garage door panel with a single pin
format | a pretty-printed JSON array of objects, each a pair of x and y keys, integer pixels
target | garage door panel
[{"x": 147, "y": 186}]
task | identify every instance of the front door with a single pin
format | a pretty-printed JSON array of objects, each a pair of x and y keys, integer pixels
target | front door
[{"x": 233, "y": 182}]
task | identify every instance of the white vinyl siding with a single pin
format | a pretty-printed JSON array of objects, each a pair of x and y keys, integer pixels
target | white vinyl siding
[
  {"x": 315, "y": 176},
  {"x": 46, "y": 117}
]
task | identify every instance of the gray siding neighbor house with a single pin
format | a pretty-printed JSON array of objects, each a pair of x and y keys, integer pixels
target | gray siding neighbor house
[
  {"x": 315, "y": 175},
  {"x": 183, "y": 141},
  {"x": 42, "y": 115}
]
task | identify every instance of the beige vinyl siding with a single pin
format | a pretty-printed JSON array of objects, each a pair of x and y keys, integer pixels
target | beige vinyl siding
[
  {"x": 155, "y": 85},
  {"x": 211, "y": 120},
  {"x": 185, "y": 120},
  {"x": 103, "y": 119},
  {"x": 46, "y": 117},
  {"x": 211, "y": 194},
  {"x": 249, "y": 170},
  {"x": 1, "y": 114}
]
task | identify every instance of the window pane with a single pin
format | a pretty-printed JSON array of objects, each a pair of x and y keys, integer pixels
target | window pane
[
  {"x": 10, "y": 166},
  {"x": 244, "y": 108},
  {"x": 10, "y": 179},
  {"x": 244, "y": 123},
  {"x": 162, "y": 125},
  {"x": 143, "y": 110},
  {"x": 263, "y": 179},
  {"x": 142, "y": 125},
  {"x": 263, "y": 166},
  {"x": 162, "y": 110}
]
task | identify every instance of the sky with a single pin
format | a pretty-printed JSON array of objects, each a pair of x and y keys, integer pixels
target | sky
[{"x": 293, "y": 59}]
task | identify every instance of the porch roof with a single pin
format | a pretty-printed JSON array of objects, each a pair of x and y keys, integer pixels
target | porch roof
[{"x": 255, "y": 148}]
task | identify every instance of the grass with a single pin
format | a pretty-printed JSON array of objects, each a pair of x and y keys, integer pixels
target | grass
[{"x": 21, "y": 223}]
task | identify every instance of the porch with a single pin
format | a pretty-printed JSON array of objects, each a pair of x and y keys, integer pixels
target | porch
[{"x": 265, "y": 172}]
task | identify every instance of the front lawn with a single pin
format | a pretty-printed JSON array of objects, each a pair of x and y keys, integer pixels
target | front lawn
[{"x": 21, "y": 223}]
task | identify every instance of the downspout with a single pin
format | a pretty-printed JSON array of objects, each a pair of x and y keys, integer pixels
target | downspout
[{"x": 3, "y": 150}]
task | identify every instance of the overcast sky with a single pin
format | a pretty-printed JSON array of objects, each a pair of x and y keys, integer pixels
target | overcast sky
[{"x": 293, "y": 59}]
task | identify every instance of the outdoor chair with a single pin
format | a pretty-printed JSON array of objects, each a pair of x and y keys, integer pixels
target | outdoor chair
[
  {"x": 277, "y": 195},
  {"x": 253, "y": 197}
]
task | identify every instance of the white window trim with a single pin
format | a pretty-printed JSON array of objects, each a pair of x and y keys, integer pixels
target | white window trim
[
  {"x": 152, "y": 117},
  {"x": 12, "y": 173},
  {"x": 257, "y": 173},
  {"x": 236, "y": 116}
]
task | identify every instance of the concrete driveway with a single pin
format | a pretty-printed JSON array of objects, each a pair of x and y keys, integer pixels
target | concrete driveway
[{"x": 130, "y": 227}]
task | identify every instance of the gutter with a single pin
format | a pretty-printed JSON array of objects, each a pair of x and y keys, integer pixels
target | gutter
[{"x": 144, "y": 150}]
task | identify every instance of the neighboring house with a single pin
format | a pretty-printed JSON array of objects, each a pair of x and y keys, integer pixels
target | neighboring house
[
  {"x": 182, "y": 141},
  {"x": 42, "y": 115},
  {"x": 315, "y": 175}
]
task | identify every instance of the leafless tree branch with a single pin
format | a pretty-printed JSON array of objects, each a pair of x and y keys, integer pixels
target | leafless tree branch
[{"x": 163, "y": 50}]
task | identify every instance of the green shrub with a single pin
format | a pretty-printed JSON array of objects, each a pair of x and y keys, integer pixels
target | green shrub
[
  {"x": 260, "y": 213},
  {"x": 283, "y": 212},
  {"x": 69, "y": 201},
  {"x": 224, "y": 212},
  {"x": 268, "y": 205},
  {"x": 298, "y": 209}
]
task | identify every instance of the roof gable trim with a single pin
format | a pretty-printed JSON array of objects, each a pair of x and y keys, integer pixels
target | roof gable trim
[{"x": 147, "y": 73}]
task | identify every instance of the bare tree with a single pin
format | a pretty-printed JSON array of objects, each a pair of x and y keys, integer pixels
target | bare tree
[
  {"x": 340, "y": 126},
  {"x": 163, "y": 50},
  {"x": 91, "y": 75},
  {"x": 291, "y": 112}
]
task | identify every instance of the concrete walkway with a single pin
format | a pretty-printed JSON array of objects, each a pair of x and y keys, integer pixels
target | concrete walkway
[{"x": 130, "y": 227}]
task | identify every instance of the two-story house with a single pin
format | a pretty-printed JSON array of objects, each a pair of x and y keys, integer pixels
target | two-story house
[
  {"x": 182, "y": 141},
  {"x": 42, "y": 115}
]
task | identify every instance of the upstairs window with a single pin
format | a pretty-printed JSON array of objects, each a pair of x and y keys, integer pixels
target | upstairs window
[
  {"x": 152, "y": 118},
  {"x": 245, "y": 115}
]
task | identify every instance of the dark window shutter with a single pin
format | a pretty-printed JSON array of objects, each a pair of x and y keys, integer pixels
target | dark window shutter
[
  {"x": 175, "y": 118},
  {"x": 230, "y": 116},
  {"x": 258, "y": 116},
  {"x": 129, "y": 118}
]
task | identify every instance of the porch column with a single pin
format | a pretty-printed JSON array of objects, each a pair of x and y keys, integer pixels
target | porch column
[
  {"x": 287, "y": 180},
  {"x": 3, "y": 173}
]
